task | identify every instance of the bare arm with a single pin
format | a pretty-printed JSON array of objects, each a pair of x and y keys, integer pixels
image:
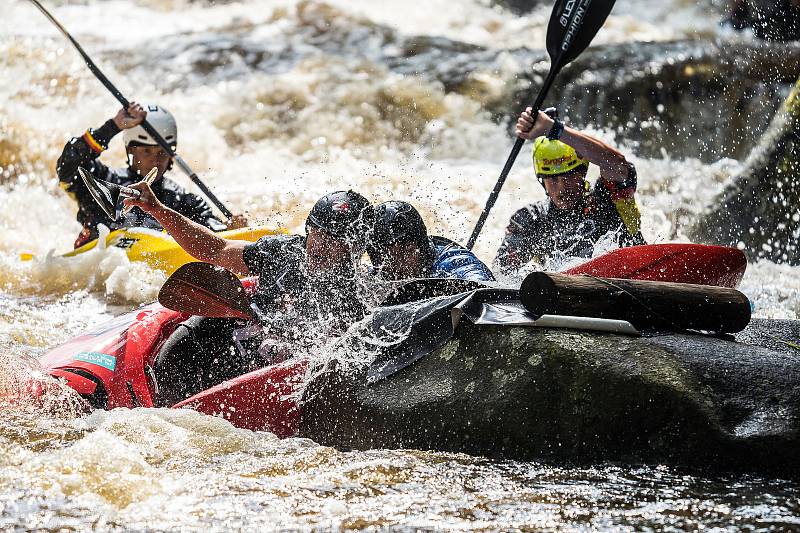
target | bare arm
[
  {"x": 199, "y": 241},
  {"x": 612, "y": 163}
]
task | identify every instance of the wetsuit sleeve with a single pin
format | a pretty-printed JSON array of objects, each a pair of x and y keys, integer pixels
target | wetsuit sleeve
[
  {"x": 519, "y": 244},
  {"x": 272, "y": 253},
  {"x": 460, "y": 263},
  {"x": 83, "y": 152},
  {"x": 618, "y": 199}
]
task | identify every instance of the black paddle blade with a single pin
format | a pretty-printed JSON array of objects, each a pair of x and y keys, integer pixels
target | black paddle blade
[
  {"x": 105, "y": 194},
  {"x": 203, "y": 289},
  {"x": 573, "y": 25},
  {"x": 423, "y": 288}
]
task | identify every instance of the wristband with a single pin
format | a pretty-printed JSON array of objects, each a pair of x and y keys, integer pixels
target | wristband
[
  {"x": 556, "y": 131},
  {"x": 93, "y": 144}
]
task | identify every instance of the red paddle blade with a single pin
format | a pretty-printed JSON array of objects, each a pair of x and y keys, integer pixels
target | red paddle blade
[
  {"x": 203, "y": 289},
  {"x": 699, "y": 264}
]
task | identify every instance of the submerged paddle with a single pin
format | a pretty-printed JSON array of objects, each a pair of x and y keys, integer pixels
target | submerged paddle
[
  {"x": 203, "y": 289},
  {"x": 573, "y": 25},
  {"x": 146, "y": 125}
]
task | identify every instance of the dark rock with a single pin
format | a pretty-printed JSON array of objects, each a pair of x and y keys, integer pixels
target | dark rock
[
  {"x": 511, "y": 392},
  {"x": 760, "y": 209},
  {"x": 771, "y": 20},
  {"x": 520, "y": 7},
  {"x": 695, "y": 99}
]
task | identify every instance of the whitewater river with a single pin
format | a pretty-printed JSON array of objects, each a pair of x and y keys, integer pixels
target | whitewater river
[{"x": 279, "y": 102}]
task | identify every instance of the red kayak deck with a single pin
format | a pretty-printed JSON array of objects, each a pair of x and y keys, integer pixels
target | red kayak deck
[
  {"x": 261, "y": 400},
  {"x": 117, "y": 355},
  {"x": 698, "y": 264}
]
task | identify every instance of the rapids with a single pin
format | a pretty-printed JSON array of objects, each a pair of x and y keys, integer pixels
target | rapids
[{"x": 278, "y": 102}]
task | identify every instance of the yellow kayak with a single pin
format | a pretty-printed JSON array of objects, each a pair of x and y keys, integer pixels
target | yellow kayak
[{"x": 158, "y": 249}]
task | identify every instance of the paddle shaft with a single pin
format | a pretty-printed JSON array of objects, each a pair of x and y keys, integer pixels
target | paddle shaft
[
  {"x": 125, "y": 104},
  {"x": 512, "y": 157}
]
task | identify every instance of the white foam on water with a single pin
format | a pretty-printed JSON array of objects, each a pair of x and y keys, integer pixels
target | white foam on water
[
  {"x": 774, "y": 290},
  {"x": 105, "y": 270},
  {"x": 269, "y": 144}
]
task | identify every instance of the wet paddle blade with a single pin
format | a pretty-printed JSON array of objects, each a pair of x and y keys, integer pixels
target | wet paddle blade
[
  {"x": 105, "y": 194},
  {"x": 573, "y": 25},
  {"x": 420, "y": 289},
  {"x": 203, "y": 289}
]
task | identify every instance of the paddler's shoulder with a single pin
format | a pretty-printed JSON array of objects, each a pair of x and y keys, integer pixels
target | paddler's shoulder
[
  {"x": 618, "y": 184},
  {"x": 529, "y": 215},
  {"x": 273, "y": 252},
  {"x": 279, "y": 244}
]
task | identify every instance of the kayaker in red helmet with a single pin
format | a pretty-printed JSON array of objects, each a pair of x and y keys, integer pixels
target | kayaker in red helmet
[
  {"x": 574, "y": 217},
  {"x": 143, "y": 153}
]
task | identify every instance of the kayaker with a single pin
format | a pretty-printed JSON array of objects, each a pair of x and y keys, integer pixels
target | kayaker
[
  {"x": 318, "y": 269},
  {"x": 400, "y": 248},
  {"x": 309, "y": 289},
  {"x": 143, "y": 154},
  {"x": 574, "y": 217}
]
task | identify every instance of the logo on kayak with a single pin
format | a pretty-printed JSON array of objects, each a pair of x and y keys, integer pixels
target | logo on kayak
[
  {"x": 126, "y": 242},
  {"x": 96, "y": 358},
  {"x": 340, "y": 207}
]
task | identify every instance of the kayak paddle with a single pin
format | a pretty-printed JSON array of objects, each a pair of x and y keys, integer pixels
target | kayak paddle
[
  {"x": 573, "y": 24},
  {"x": 146, "y": 125},
  {"x": 203, "y": 289},
  {"x": 107, "y": 194}
]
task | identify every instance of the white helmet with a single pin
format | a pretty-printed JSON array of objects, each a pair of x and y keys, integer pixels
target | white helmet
[{"x": 164, "y": 123}]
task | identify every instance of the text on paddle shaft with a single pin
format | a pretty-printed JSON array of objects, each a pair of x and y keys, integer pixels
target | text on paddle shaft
[{"x": 576, "y": 9}]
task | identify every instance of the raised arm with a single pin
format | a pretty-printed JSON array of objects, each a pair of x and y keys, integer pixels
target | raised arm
[
  {"x": 199, "y": 241},
  {"x": 612, "y": 163}
]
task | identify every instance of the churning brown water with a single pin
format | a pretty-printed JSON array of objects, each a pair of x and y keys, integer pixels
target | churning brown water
[{"x": 279, "y": 102}]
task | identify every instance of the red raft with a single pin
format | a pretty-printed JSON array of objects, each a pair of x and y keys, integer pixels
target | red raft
[{"x": 112, "y": 366}]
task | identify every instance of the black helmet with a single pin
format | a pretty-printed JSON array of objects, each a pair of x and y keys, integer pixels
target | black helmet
[
  {"x": 345, "y": 215},
  {"x": 397, "y": 222}
]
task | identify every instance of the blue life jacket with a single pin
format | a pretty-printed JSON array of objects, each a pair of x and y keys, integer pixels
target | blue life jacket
[{"x": 452, "y": 260}]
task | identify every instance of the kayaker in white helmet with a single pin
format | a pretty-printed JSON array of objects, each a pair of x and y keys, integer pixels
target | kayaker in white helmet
[{"x": 143, "y": 153}]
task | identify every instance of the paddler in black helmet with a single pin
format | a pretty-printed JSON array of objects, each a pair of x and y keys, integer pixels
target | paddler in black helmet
[
  {"x": 309, "y": 289},
  {"x": 317, "y": 271},
  {"x": 143, "y": 153},
  {"x": 400, "y": 248},
  {"x": 574, "y": 217}
]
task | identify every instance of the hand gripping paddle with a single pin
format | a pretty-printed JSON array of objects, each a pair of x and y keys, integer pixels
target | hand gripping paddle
[
  {"x": 573, "y": 25},
  {"x": 184, "y": 166}
]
